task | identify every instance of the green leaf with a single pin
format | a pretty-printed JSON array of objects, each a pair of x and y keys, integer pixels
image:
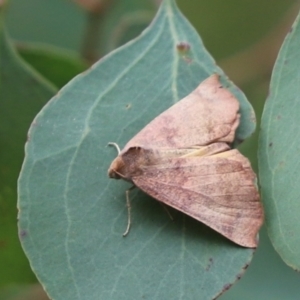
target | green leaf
[
  {"x": 72, "y": 216},
  {"x": 22, "y": 94},
  {"x": 57, "y": 65},
  {"x": 279, "y": 152}
]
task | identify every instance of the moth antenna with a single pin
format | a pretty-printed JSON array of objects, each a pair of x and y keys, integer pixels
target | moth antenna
[
  {"x": 116, "y": 146},
  {"x": 129, "y": 210}
]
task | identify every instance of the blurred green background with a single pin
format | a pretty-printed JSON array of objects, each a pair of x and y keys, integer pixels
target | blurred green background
[{"x": 243, "y": 36}]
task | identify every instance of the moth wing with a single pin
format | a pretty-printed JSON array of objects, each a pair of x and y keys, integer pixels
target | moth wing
[
  {"x": 218, "y": 190},
  {"x": 208, "y": 114}
]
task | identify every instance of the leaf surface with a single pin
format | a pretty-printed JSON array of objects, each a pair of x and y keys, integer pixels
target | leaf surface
[{"x": 72, "y": 216}]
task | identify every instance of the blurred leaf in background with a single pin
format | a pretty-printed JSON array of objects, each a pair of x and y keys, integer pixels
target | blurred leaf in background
[
  {"x": 56, "y": 64},
  {"x": 23, "y": 93},
  {"x": 279, "y": 151},
  {"x": 110, "y": 24}
]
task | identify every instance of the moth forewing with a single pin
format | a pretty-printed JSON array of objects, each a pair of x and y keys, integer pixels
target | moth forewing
[
  {"x": 217, "y": 190},
  {"x": 183, "y": 159}
]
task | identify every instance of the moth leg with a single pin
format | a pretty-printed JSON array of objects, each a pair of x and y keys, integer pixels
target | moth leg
[
  {"x": 116, "y": 146},
  {"x": 167, "y": 211},
  {"x": 129, "y": 210}
]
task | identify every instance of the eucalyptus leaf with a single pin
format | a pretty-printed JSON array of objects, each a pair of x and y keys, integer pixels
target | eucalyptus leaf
[
  {"x": 279, "y": 146},
  {"x": 72, "y": 216}
]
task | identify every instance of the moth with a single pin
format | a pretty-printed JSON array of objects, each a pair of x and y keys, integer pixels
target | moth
[{"x": 184, "y": 159}]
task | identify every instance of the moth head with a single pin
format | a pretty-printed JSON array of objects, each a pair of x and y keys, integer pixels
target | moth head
[
  {"x": 115, "y": 169},
  {"x": 127, "y": 164}
]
